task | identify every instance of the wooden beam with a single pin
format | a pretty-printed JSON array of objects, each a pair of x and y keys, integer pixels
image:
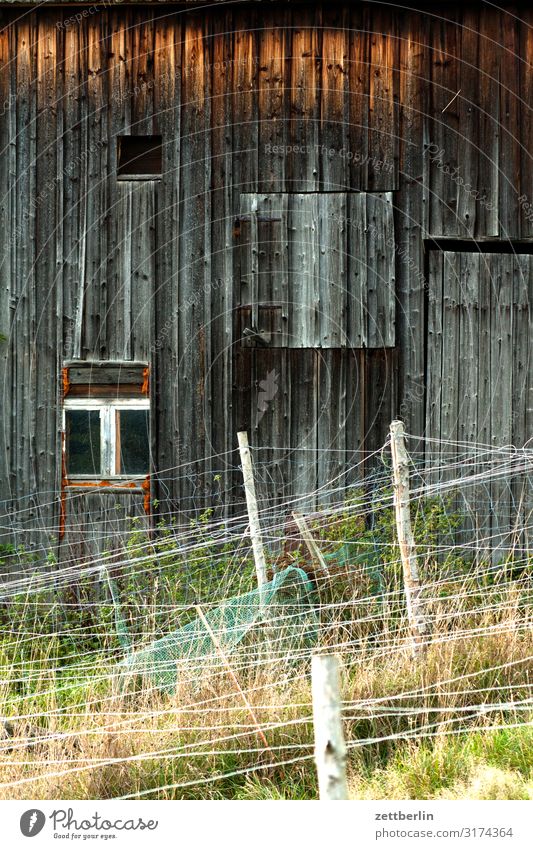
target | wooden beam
[
  {"x": 307, "y": 537},
  {"x": 406, "y": 539},
  {"x": 253, "y": 512},
  {"x": 330, "y": 748}
]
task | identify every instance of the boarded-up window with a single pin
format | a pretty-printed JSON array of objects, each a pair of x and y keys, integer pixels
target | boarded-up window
[
  {"x": 317, "y": 270},
  {"x": 315, "y": 417},
  {"x": 479, "y": 384}
]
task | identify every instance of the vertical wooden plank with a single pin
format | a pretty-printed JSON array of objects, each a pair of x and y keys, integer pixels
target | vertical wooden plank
[
  {"x": 380, "y": 398},
  {"x": 141, "y": 243},
  {"x": 386, "y": 273},
  {"x": 142, "y": 78},
  {"x": 410, "y": 220},
  {"x": 382, "y": 112},
  {"x": 501, "y": 368},
  {"x": 526, "y": 123},
  {"x": 245, "y": 105},
  {"x": 332, "y": 269},
  {"x": 334, "y": 140},
  {"x": 121, "y": 82},
  {"x": 468, "y": 347},
  {"x": 270, "y": 424},
  {"x": 355, "y": 415},
  {"x": 444, "y": 126},
  {"x": 73, "y": 200},
  {"x": 522, "y": 386},
  {"x": 194, "y": 317},
  {"x": 528, "y": 404},
  {"x": 357, "y": 306},
  {"x": 489, "y": 114},
  {"x": 245, "y": 139},
  {"x": 358, "y": 98},
  {"x": 102, "y": 329},
  {"x": 7, "y": 251},
  {"x": 303, "y": 426},
  {"x": 304, "y": 102},
  {"x": 46, "y": 294},
  {"x": 433, "y": 381},
  {"x": 304, "y": 270},
  {"x": 143, "y": 196},
  {"x": 222, "y": 242},
  {"x": 331, "y": 423},
  {"x": 28, "y": 189},
  {"x": 372, "y": 281},
  {"x": 468, "y": 109},
  {"x": 484, "y": 404},
  {"x": 450, "y": 346},
  {"x": 273, "y": 129},
  {"x": 482, "y": 493},
  {"x": 510, "y": 107},
  {"x": 467, "y": 378},
  {"x": 244, "y": 244},
  {"x": 164, "y": 350}
]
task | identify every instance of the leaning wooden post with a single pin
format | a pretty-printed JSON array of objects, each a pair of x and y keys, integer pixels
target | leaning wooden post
[
  {"x": 406, "y": 540},
  {"x": 330, "y": 748},
  {"x": 225, "y": 661},
  {"x": 307, "y": 537},
  {"x": 253, "y": 512}
]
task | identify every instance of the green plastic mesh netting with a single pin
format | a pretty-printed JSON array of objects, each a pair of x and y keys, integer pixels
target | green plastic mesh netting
[
  {"x": 349, "y": 557},
  {"x": 285, "y": 605}
]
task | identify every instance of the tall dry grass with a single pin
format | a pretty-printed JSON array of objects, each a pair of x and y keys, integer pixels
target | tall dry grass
[{"x": 455, "y": 723}]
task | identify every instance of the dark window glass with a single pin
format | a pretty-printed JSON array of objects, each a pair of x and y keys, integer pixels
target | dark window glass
[
  {"x": 132, "y": 442},
  {"x": 83, "y": 442},
  {"x": 139, "y": 156}
]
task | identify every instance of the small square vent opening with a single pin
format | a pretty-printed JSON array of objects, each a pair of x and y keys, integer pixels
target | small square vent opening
[{"x": 139, "y": 157}]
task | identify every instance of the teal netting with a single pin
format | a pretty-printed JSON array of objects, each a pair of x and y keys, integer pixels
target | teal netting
[
  {"x": 285, "y": 605},
  {"x": 349, "y": 555}
]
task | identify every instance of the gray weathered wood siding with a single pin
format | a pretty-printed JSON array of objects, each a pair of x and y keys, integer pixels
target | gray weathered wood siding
[
  {"x": 317, "y": 269},
  {"x": 480, "y": 358},
  {"x": 287, "y": 102}
]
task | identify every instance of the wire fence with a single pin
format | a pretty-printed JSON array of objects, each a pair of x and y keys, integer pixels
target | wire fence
[{"x": 71, "y": 723}]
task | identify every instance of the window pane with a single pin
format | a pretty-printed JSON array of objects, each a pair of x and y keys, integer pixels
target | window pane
[
  {"x": 132, "y": 437},
  {"x": 83, "y": 442}
]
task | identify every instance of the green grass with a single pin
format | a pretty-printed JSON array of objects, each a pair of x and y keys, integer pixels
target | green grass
[{"x": 58, "y": 652}]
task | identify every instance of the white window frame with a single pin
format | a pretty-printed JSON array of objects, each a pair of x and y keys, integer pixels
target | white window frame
[{"x": 108, "y": 433}]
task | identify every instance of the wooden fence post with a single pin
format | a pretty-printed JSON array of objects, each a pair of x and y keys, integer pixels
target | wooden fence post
[
  {"x": 253, "y": 513},
  {"x": 307, "y": 537},
  {"x": 330, "y": 748},
  {"x": 406, "y": 540}
]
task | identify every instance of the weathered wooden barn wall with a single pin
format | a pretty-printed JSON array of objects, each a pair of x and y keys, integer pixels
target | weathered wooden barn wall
[{"x": 256, "y": 100}]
